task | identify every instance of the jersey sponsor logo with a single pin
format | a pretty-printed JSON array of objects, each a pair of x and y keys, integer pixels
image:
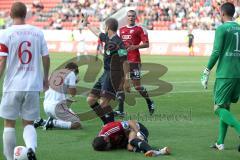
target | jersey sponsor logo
[
  {"x": 126, "y": 37},
  {"x": 3, "y": 48}
]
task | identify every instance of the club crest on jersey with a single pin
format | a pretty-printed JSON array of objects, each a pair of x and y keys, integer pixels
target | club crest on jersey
[{"x": 131, "y": 31}]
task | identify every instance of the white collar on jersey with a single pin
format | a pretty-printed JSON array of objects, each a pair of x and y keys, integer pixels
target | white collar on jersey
[
  {"x": 229, "y": 21},
  {"x": 131, "y": 26}
]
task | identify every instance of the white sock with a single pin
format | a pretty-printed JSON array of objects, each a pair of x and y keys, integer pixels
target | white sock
[
  {"x": 30, "y": 137},
  {"x": 61, "y": 124},
  {"x": 9, "y": 142}
]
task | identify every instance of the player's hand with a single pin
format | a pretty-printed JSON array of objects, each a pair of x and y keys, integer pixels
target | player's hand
[
  {"x": 205, "y": 77},
  {"x": 132, "y": 47},
  {"x": 126, "y": 85}
]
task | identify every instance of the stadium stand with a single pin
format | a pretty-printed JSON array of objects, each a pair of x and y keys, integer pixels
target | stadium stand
[{"x": 153, "y": 14}]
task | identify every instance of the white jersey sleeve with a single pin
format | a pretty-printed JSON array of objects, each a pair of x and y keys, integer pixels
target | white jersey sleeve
[{"x": 3, "y": 45}]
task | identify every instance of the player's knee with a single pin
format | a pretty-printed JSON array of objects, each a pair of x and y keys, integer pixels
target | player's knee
[
  {"x": 104, "y": 102},
  {"x": 9, "y": 123},
  {"x": 91, "y": 100},
  {"x": 26, "y": 122},
  {"x": 139, "y": 88},
  {"x": 120, "y": 96}
]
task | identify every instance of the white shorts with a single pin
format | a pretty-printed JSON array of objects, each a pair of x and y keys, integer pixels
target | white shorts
[
  {"x": 61, "y": 111},
  {"x": 24, "y": 104},
  {"x": 49, "y": 109}
]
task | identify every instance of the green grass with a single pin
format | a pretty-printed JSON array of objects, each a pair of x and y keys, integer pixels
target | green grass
[{"x": 189, "y": 134}]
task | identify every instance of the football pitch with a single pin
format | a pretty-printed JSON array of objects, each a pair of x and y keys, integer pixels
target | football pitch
[{"x": 183, "y": 119}]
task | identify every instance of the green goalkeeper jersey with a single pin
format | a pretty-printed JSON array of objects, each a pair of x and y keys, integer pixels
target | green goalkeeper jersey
[{"x": 226, "y": 50}]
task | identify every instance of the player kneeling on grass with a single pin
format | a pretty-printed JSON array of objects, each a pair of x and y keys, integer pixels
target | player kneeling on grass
[
  {"x": 56, "y": 103},
  {"x": 126, "y": 134}
]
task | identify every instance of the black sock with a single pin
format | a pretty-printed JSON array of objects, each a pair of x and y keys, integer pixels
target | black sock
[
  {"x": 141, "y": 145},
  {"x": 144, "y": 94},
  {"x": 109, "y": 117},
  {"x": 97, "y": 109},
  {"x": 121, "y": 99}
]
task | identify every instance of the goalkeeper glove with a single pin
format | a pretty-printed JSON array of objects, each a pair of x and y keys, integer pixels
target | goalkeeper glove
[{"x": 205, "y": 77}]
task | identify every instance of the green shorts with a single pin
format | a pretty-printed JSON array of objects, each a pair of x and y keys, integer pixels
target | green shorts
[{"x": 226, "y": 91}]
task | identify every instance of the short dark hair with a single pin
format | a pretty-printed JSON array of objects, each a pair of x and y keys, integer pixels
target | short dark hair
[
  {"x": 132, "y": 11},
  {"x": 18, "y": 10},
  {"x": 72, "y": 66},
  {"x": 228, "y": 8},
  {"x": 99, "y": 144},
  {"x": 112, "y": 24}
]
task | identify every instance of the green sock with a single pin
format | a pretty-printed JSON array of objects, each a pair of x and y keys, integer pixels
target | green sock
[
  {"x": 228, "y": 118},
  {"x": 222, "y": 132}
]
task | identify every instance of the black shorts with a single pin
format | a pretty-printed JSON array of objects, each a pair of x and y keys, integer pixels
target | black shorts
[
  {"x": 107, "y": 85},
  {"x": 135, "y": 71}
]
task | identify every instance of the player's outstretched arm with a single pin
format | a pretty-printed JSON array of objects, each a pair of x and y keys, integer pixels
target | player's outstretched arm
[
  {"x": 46, "y": 66},
  {"x": 217, "y": 50}
]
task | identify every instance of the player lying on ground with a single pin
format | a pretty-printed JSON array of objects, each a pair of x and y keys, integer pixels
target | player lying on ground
[
  {"x": 134, "y": 37},
  {"x": 116, "y": 70},
  {"x": 57, "y": 103},
  {"x": 130, "y": 135},
  {"x": 23, "y": 49},
  {"x": 227, "y": 85}
]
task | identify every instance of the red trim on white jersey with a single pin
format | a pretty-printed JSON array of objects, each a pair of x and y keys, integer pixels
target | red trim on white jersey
[{"x": 3, "y": 48}]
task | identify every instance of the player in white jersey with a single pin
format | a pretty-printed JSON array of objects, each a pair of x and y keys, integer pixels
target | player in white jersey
[
  {"x": 81, "y": 47},
  {"x": 56, "y": 101},
  {"x": 22, "y": 47}
]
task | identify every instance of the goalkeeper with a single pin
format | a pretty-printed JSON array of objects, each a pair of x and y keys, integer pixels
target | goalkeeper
[{"x": 226, "y": 51}]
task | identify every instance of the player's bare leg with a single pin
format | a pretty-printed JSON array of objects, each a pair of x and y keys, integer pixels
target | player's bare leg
[
  {"x": 143, "y": 92},
  {"x": 108, "y": 111}
]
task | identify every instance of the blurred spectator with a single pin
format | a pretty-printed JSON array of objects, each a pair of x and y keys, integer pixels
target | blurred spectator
[
  {"x": 152, "y": 14},
  {"x": 37, "y": 5},
  {"x": 57, "y": 24},
  {"x": 2, "y": 23}
]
